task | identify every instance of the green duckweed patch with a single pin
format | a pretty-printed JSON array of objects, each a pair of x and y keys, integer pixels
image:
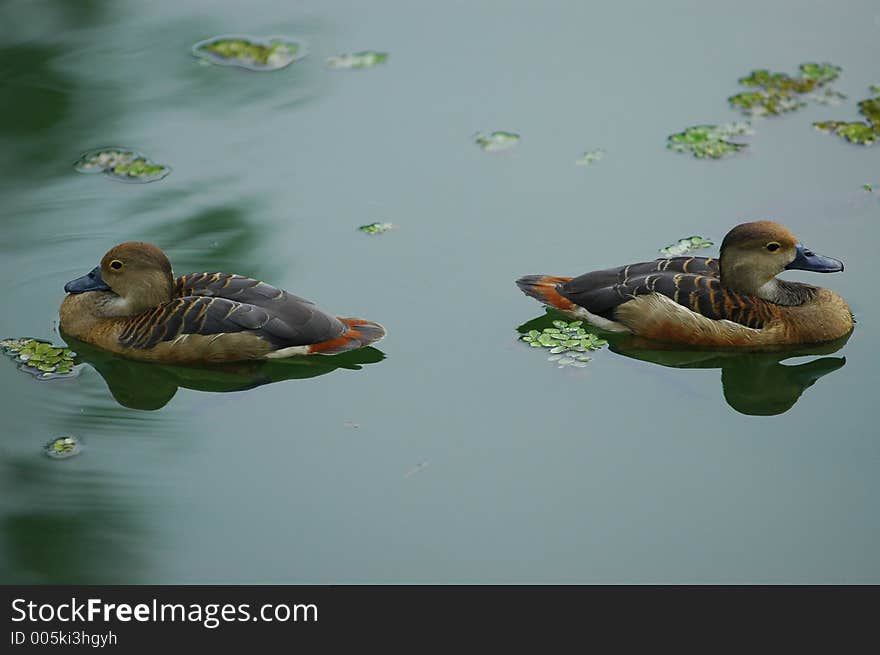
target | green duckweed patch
[
  {"x": 772, "y": 94},
  {"x": 40, "y": 358},
  {"x": 251, "y": 53},
  {"x": 497, "y": 141},
  {"x": 710, "y": 141},
  {"x": 566, "y": 342},
  {"x": 63, "y": 447},
  {"x": 863, "y": 133},
  {"x": 684, "y": 246},
  {"x": 376, "y": 228},
  {"x": 366, "y": 59},
  {"x": 590, "y": 157},
  {"x": 122, "y": 165}
]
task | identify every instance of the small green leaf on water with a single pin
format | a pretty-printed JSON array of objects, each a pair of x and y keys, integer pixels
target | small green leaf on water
[
  {"x": 252, "y": 53},
  {"x": 496, "y": 141},
  {"x": 366, "y": 59},
  {"x": 376, "y": 228},
  {"x": 590, "y": 157},
  {"x": 684, "y": 246},
  {"x": 63, "y": 447}
]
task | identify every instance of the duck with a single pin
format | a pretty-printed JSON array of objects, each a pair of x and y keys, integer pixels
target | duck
[
  {"x": 132, "y": 305},
  {"x": 733, "y": 301}
]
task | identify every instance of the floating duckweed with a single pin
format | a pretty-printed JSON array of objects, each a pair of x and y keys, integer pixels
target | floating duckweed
[
  {"x": 827, "y": 97},
  {"x": 63, "y": 447},
  {"x": 40, "y": 358},
  {"x": 861, "y": 133},
  {"x": 252, "y": 53},
  {"x": 712, "y": 141},
  {"x": 684, "y": 246},
  {"x": 496, "y": 141},
  {"x": 366, "y": 59},
  {"x": 121, "y": 164},
  {"x": 590, "y": 157},
  {"x": 376, "y": 228},
  {"x": 567, "y": 342},
  {"x": 779, "y": 93}
]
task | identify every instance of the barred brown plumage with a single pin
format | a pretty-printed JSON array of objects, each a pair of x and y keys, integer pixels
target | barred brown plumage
[
  {"x": 734, "y": 300},
  {"x": 142, "y": 311}
]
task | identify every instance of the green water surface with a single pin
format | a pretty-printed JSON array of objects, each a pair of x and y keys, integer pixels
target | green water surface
[{"x": 452, "y": 452}]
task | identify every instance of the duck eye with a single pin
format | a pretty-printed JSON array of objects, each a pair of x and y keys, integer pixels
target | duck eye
[
  {"x": 116, "y": 264},
  {"x": 773, "y": 246}
]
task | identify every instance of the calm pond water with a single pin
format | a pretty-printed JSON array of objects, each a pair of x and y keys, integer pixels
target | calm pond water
[{"x": 453, "y": 452}]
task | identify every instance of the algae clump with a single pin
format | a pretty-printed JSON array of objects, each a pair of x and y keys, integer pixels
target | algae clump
[
  {"x": 709, "y": 141},
  {"x": 863, "y": 133},
  {"x": 122, "y": 165},
  {"x": 366, "y": 59},
  {"x": 779, "y": 93},
  {"x": 252, "y": 53},
  {"x": 40, "y": 358},
  {"x": 496, "y": 141},
  {"x": 567, "y": 343}
]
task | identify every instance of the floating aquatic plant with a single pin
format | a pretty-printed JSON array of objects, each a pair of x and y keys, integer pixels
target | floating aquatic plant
[
  {"x": 709, "y": 141},
  {"x": 122, "y": 165},
  {"x": 63, "y": 447},
  {"x": 779, "y": 93},
  {"x": 252, "y": 53},
  {"x": 828, "y": 97},
  {"x": 567, "y": 343},
  {"x": 684, "y": 246},
  {"x": 40, "y": 358},
  {"x": 590, "y": 157},
  {"x": 366, "y": 59},
  {"x": 376, "y": 228},
  {"x": 859, "y": 132},
  {"x": 496, "y": 141}
]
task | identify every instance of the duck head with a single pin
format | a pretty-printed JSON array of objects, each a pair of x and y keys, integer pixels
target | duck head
[
  {"x": 131, "y": 278},
  {"x": 753, "y": 254}
]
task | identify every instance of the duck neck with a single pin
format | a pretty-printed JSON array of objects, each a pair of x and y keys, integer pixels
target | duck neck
[
  {"x": 779, "y": 292},
  {"x": 782, "y": 292}
]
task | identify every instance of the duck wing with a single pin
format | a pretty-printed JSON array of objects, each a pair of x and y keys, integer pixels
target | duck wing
[
  {"x": 277, "y": 317},
  {"x": 692, "y": 282},
  {"x": 298, "y": 314}
]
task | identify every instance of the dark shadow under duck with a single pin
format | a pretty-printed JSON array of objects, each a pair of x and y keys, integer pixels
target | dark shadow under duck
[
  {"x": 753, "y": 383},
  {"x": 151, "y": 385}
]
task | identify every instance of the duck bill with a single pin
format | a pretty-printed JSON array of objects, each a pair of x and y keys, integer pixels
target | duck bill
[
  {"x": 807, "y": 260},
  {"x": 92, "y": 281}
]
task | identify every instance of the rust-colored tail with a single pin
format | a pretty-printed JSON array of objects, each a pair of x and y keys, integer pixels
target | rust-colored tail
[
  {"x": 543, "y": 288},
  {"x": 360, "y": 333}
]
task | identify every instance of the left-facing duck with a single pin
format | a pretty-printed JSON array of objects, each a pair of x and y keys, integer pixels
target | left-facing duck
[{"x": 133, "y": 305}]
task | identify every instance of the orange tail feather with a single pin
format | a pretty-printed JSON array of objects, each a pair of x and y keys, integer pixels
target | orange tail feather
[
  {"x": 360, "y": 333},
  {"x": 543, "y": 288}
]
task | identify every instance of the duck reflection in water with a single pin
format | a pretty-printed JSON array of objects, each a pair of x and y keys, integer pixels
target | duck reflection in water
[
  {"x": 150, "y": 386},
  {"x": 753, "y": 383}
]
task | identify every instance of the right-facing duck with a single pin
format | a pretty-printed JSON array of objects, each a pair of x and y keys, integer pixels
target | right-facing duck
[{"x": 733, "y": 301}]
